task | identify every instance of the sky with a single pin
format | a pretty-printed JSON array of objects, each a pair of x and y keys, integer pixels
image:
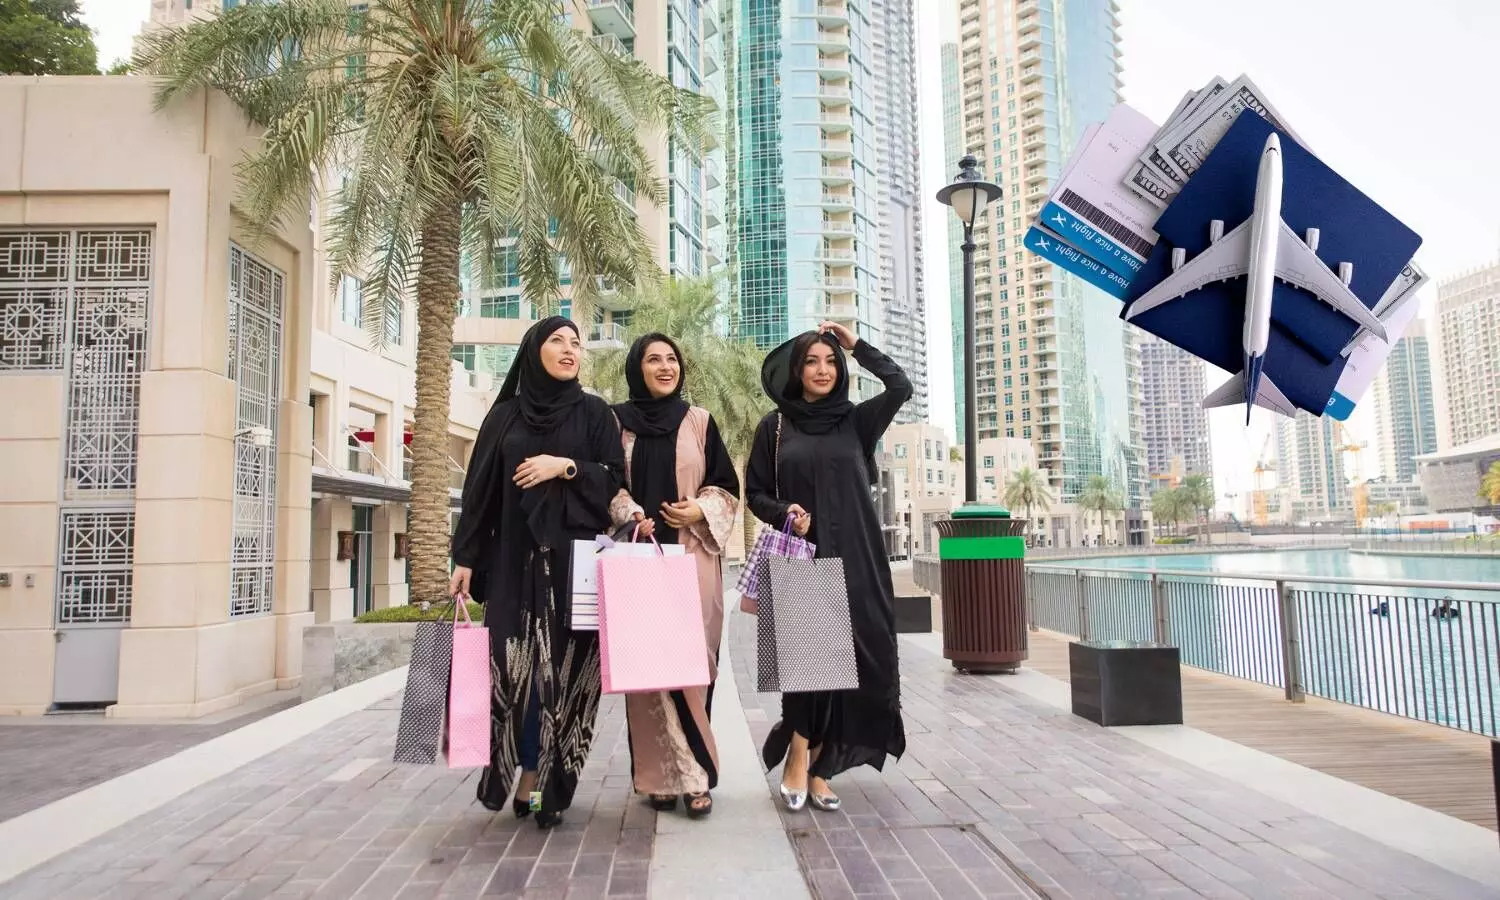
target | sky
[{"x": 1382, "y": 90}]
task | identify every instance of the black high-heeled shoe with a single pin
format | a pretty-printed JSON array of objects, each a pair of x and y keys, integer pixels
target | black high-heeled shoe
[
  {"x": 546, "y": 820},
  {"x": 663, "y": 802},
  {"x": 522, "y": 808}
]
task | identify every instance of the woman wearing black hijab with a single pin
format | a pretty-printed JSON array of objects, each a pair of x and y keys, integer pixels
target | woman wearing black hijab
[
  {"x": 544, "y": 470},
  {"x": 813, "y": 459},
  {"x": 683, "y": 489}
]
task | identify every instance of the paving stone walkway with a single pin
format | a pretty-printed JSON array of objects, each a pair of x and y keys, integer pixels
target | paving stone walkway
[
  {"x": 1000, "y": 795},
  {"x": 331, "y": 817}
]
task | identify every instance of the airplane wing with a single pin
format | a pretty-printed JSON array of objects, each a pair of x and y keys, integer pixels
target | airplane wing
[
  {"x": 1226, "y": 258},
  {"x": 1298, "y": 266},
  {"x": 1269, "y": 396}
]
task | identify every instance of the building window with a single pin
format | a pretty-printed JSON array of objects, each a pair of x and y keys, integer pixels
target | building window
[
  {"x": 989, "y": 462},
  {"x": 351, "y": 301}
]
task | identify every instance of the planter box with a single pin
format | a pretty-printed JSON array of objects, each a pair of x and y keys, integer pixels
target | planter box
[
  {"x": 1126, "y": 682},
  {"x": 343, "y": 653}
]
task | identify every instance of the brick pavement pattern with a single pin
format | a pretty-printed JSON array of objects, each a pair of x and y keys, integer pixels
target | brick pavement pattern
[
  {"x": 330, "y": 816},
  {"x": 44, "y": 762},
  {"x": 999, "y": 795}
]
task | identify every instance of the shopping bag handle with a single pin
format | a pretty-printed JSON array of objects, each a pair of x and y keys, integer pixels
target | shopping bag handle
[
  {"x": 790, "y": 523},
  {"x": 636, "y": 539},
  {"x": 461, "y": 606}
]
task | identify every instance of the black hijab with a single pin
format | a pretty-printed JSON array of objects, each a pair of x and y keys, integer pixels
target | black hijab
[
  {"x": 781, "y": 379},
  {"x": 543, "y": 401},
  {"x": 654, "y": 420}
]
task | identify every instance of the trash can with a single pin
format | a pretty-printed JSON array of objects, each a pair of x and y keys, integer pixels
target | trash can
[{"x": 982, "y": 553}]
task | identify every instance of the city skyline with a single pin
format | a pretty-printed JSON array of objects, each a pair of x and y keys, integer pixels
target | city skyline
[{"x": 1335, "y": 96}]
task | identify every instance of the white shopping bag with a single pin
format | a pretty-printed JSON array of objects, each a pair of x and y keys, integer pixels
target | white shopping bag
[{"x": 583, "y": 613}]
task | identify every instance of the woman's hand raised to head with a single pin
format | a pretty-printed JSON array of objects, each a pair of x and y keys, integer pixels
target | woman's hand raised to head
[
  {"x": 540, "y": 469},
  {"x": 801, "y": 519},
  {"x": 846, "y": 338}
]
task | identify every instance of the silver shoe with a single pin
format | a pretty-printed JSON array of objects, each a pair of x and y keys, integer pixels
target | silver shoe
[
  {"x": 794, "y": 800},
  {"x": 824, "y": 802}
]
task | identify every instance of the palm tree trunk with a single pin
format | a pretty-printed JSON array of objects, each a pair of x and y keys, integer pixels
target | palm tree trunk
[{"x": 437, "y": 301}]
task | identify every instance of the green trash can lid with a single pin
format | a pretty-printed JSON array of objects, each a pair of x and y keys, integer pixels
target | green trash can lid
[{"x": 981, "y": 511}]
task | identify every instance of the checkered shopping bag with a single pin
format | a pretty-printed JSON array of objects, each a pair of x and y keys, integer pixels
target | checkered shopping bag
[{"x": 770, "y": 542}]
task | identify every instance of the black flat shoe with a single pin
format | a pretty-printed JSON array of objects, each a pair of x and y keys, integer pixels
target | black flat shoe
[
  {"x": 546, "y": 820},
  {"x": 522, "y": 808},
  {"x": 695, "y": 805},
  {"x": 663, "y": 802}
]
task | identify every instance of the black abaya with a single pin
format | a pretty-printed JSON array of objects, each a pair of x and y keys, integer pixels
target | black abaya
[
  {"x": 828, "y": 475},
  {"x": 518, "y": 543}
]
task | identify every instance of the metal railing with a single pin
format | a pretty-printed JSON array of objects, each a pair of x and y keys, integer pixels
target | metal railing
[
  {"x": 1423, "y": 544},
  {"x": 1384, "y": 645}
]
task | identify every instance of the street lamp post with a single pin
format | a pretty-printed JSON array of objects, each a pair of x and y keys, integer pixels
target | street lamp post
[{"x": 968, "y": 195}]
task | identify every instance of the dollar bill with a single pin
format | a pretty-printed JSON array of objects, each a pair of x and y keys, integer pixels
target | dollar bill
[
  {"x": 1401, "y": 291},
  {"x": 1153, "y": 179},
  {"x": 1184, "y": 151}
]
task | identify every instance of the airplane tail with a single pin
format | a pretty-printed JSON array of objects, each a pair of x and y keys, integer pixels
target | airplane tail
[{"x": 1267, "y": 396}]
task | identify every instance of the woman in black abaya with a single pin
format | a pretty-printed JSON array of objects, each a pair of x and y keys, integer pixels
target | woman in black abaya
[
  {"x": 545, "y": 467},
  {"x": 813, "y": 459}
]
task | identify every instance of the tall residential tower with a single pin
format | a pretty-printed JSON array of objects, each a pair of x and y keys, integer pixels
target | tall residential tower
[
  {"x": 1405, "y": 414},
  {"x": 1176, "y": 432},
  {"x": 1055, "y": 364},
  {"x": 899, "y": 195},
  {"x": 1469, "y": 349}
]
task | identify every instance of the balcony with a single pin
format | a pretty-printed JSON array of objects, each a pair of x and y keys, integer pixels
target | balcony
[
  {"x": 832, "y": 13},
  {"x": 839, "y": 312},
  {"x": 712, "y": 213},
  {"x": 833, "y": 38},
  {"x": 833, "y": 65},
  {"x": 836, "y": 122},
  {"x": 837, "y": 283},
  {"x": 1029, "y": 43},
  {"x": 608, "y": 295},
  {"x": 610, "y": 43},
  {"x": 712, "y": 174},
  {"x": 833, "y": 147},
  {"x": 710, "y": 61},
  {"x": 837, "y": 201},
  {"x": 616, "y": 17},
  {"x": 838, "y": 174},
  {"x": 834, "y": 226},
  {"x": 711, "y": 18},
  {"x": 835, "y": 255},
  {"x": 605, "y": 336},
  {"x": 836, "y": 94},
  {"x": 1031, "y": 89}
]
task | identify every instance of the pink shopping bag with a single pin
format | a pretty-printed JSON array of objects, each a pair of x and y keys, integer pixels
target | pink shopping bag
[
  {"x": 469, "y": 693},
  {"x": 651, "y": 624}
]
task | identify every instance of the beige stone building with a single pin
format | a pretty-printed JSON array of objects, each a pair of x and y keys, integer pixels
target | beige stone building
[{"x": 154, "y": 365}]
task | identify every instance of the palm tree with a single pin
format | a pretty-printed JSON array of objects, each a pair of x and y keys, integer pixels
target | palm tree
[
  {"x": 1198, "y": 496},
  {"x": 1168, "y": 506},
  {"x": 725, "y": 371},
  {"x": 1489, "y": 487},
  {"x": 455, "y": 126},
  {"x": 1099, "y": 495},
  {"x": 1027, "y": 490}
]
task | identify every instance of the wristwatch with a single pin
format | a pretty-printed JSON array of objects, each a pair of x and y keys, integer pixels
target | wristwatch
[{"x": 571, "y": 471}]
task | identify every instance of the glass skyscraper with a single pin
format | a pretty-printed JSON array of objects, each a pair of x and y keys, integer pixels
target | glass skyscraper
[
  {"x": 1056, "y": 365},
  {"x": 806, "y": 243}
]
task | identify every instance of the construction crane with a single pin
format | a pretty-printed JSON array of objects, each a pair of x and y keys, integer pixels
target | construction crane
[
  {"x": 1361, "y": 492},
  {"x": 1258, "y": 498}
]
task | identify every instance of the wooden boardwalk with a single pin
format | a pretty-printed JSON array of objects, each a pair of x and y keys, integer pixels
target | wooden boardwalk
[{"x": 1442, "y": 769}]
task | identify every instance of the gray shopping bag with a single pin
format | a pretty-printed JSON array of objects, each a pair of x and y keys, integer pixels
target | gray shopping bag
[
  {"x": 805, "y": 638},
  {"x": 419, "y": 735}
]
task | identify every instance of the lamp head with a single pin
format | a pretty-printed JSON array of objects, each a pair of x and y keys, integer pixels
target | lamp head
[{"x": 969, "y": 194}]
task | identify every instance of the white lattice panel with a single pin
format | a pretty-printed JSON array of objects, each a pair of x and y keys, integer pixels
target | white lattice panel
[
  {"x": 254, "y": 364},
  {"x": 34, "y": 270},
  {"x": 94, "y": 566},
  {"x": 107, "y": 358}
]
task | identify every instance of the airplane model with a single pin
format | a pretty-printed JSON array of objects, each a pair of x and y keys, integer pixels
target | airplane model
[{"x": 1263, "y": 248}]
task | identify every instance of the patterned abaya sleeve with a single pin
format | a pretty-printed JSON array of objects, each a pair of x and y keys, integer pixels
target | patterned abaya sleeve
[{"x": 719, "y": 496}]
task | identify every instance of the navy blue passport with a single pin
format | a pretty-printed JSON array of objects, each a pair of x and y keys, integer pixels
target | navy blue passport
[{"x": 1307, "y": 334}]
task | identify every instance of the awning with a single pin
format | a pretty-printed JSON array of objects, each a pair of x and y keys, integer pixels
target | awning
[
  {"x": 368, "y": 437},
  {"x": 339, "y": 483}
]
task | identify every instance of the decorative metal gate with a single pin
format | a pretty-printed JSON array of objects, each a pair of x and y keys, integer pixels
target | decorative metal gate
[
  {"x": 255, "y": 301},
  {"x": 75, "y": 302}
]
